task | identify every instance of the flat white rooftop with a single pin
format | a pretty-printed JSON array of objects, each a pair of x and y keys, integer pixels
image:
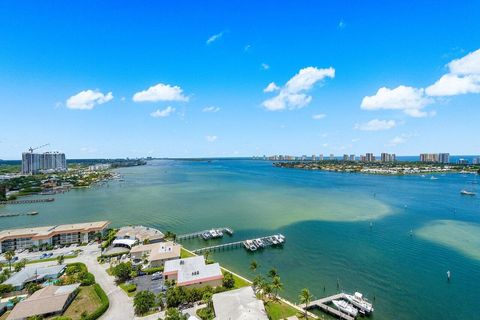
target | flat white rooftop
[{"x": 193, "y": 270}]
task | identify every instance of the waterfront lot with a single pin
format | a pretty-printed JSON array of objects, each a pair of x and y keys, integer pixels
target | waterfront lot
[{"x": 146, "y": 283}]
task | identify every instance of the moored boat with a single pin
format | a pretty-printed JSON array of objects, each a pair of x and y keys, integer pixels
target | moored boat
[
  {"x": 467, "y": 193},
  {"x": 345, "y": 307},
  {"x": 360, "y": 302}
]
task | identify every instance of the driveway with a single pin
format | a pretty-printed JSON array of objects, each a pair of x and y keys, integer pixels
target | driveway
[{"x": 121, "y": 306}]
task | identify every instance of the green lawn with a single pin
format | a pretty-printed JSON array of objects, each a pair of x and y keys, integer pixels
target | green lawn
[
  {"x": 239, "y": 282},
  {"x": 186, "y": 254},
  {"x": 87, "y": 300},
  {"x": 277, "y": 310}
]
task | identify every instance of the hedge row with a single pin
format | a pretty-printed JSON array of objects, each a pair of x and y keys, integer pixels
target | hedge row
[
  {"x": 152, "y": 270},
  {"x": 104, "y": 303}
]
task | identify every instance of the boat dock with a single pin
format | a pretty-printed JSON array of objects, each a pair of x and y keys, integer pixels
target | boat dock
[
  {"x": 27, "y": 201},
  {"x": 197, "y": 234},
  {"x": 231, "y": 245},
  {"x": 322, "y": 304},
  {"x": 4, "y": 215}
]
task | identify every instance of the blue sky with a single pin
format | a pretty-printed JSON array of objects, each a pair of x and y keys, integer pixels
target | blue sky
[{"x": 349, "y": 77}]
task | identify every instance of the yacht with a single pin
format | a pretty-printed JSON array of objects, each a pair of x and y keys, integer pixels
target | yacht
[
  {"x": 206, "y": 235},
  {"x": 281, "y": 238},
  {"x": 250, "y": 245},
  {"x": 467, "y": 193},
  {"x": 214, "y": 233},
  {"x": 360, "y": 302},
  {"x": 345, "y": 307},
  {"x": 274, "y": 240},
  {"x": 259, "y": 243}
]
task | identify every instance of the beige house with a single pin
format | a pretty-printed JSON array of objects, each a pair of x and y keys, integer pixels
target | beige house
[
  {"x": 193, "y": 272},
  {"x": 140, "y": 233},
  {"x": 46, "y": 302},
  {"x": 156, "y": 253}
]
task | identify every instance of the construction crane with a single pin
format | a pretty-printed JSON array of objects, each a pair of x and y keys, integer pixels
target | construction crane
[{"x": 32, "y": 149}]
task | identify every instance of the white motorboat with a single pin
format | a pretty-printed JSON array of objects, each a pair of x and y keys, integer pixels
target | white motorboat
[
  {"x": 259, "y": 243},
  {"x": 345, "y": 307},
  {"x": 206, "y": 235},
  {"x": 467, "y": 193},
  {"x": 281, "y": 238},
  {"x": 214, "y": 233},
  {"x": 250, "y": 245},
  {"x": 360, "y": 302},
  {"x": 433, "y": 178},
  {"x": 274, "y": 240}
]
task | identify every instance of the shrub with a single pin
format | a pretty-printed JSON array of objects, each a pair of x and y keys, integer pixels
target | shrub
[
  {"x": 88, "y": 279},
  {"x": 228, "y": 280},
  {"x": 5, "y": 288},
  {"x": 152, "y": 270},
  {"x": 131, "y": 287},
  {"x": 143, "y": 302}
]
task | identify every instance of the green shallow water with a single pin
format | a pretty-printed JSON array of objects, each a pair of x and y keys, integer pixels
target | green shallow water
[{"x": 349, "y": 229}]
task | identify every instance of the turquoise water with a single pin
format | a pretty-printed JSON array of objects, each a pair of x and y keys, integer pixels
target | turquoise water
[{"x": 347, "y": 228}]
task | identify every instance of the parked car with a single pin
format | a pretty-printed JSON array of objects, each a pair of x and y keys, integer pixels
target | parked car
[
  {"x": 43, "y": 255},
  {"x": 157, "y": 276}
]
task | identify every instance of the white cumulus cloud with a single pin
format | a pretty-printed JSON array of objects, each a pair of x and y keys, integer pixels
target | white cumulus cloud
[
  {"x": 293, "y": 94},
  {"x": 408, "y": 99},
  {"x": 211, "y": 138},
  {"x": 463, "y": 78},
  {"x": 211, "y": 109},
  {"x": 376, "y": 125},
  {"x": 319, "y": 116},
  {"x": 163, "y": 113},
  {"x": 271, "y": 87},
  {"x": 88, "y": 99},
  {"x": 160, "y": 92},
  {"x": 214, "y": 37}
]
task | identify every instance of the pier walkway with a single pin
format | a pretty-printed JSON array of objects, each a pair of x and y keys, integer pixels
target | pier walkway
[
  {"x": 321, "y": 304},
  {"x": 232, "y": 245},
  {"x": 199, "y": 233},
  {"x": 27, "y": 201}
]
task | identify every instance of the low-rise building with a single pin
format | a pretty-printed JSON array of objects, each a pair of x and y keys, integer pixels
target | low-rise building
[
  {"x": 46, "y": 302},
  {"x": 239, "y": 304},
  {"x": 50, "y": 235},
  {"x": 32, "y": 273},
  {"x": 193, "y": 272},
  {"x": 156, "y": 253},
  {"x": 140, "y": 233}
]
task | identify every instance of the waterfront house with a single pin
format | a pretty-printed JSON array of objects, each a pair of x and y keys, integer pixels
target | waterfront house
[
  {"x": 156, "y": 253},
  {"x": 141, "y": 234},
  {"x": 239, "y": 304},
  {"x": 193, "y": 272}
]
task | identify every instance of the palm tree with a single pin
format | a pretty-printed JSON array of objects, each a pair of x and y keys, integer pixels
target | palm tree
[
  {"x": 305, "y": 298},
  {"x": 253, "y": 266},
  {"x": 60, "y": 259},
  {"x": 273, "y": 273},
  {"x": 9, "y": 255},
  {"x": 266, "y": 289},
  {"x": 257, "y": 283},
  {"x": 206, "y": 254},
  {"x": 276, "y": 285}
]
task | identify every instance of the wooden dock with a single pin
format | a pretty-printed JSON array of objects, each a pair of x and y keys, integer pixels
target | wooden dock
[
  {"x": 6, "y": 215},
  {"x": 321, "y": 304},
  {"x": 232, "y": 245},
  {"x": 199, "y": 233},
  {"x": 27, "y": 201}
]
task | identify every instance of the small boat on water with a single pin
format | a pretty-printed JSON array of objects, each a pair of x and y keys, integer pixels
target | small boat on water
[
  {"x": 467, "y": 193},
  {"x": 249, "y": 245},
  {"x": 433, "y": 178},
  {"x": 360, "y": 302},
  {"x": 345, "y": 307},
  {"x": 206, "y": 235},
  {"x": 259, "y": 243}
]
